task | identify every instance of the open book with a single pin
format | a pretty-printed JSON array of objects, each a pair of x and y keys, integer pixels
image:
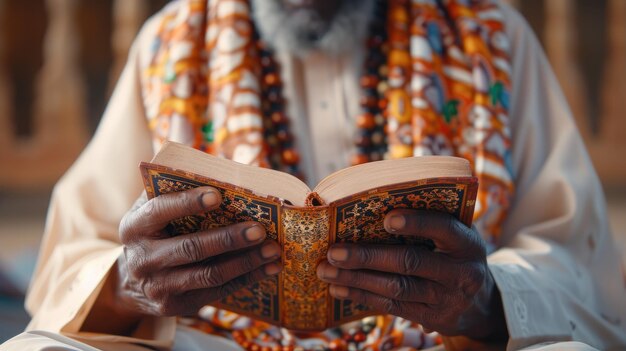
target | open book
[{"x": 347, "y": 206}]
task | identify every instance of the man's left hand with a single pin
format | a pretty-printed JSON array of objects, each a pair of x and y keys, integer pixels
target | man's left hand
[{"x": 450, "y": 289}]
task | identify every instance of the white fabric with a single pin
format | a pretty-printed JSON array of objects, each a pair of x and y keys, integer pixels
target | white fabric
[{"x": 186, "y": 339}]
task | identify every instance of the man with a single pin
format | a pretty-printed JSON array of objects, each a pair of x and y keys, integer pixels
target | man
[{"x": 442, "y": 77}]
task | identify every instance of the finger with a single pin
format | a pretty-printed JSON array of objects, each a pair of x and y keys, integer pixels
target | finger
[
  {"x": 190, "y": 302},
  {"x": 398, "y": 259},
  {"x": 448, "y": 233},
  {"x": 220, "y": 271},
  {"x": 427, "y": 316},
  {"x": 196, "y": 247},
  {"x": 156, "y": 213},
  {"x": 377, "y": 302},
  {"x": 394, "y": 286}
]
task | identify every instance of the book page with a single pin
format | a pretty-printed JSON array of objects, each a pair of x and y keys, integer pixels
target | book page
[
  {"x": 374, "y": 175},
  {"x": 262, "y": 181}
]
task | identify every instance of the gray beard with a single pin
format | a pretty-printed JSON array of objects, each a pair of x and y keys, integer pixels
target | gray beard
[{"x": 304, "y": 31}]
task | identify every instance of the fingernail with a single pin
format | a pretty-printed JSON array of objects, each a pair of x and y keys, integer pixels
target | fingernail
[
  {"x": 330, "y": 272},
  {"x": 270, "y": 250},
  {"x": 272, "y": 269},
  {"x": 339, "y": 291},
  {"x": 210, "y": 199},
  {"x": 396, "y": 222},
  {"x": 254, "y": 233},
  {"x": 338, "y": 254}
]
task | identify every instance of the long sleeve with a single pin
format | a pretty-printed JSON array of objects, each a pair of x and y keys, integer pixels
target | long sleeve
[
  {"x": 558, "y": 270},
  {"x": 81, "y": 243}
]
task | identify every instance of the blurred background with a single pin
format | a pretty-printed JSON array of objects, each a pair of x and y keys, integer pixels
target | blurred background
[{"x": 59, "y": 60}]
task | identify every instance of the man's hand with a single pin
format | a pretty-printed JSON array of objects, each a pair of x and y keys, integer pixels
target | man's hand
[
  {"x": 169, "y": 276},
  {"x": 449, "y": 290}
]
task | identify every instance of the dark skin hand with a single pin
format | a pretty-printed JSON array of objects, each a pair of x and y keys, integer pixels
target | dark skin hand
[
  {"x": 449, "y": 290},
  {"x": 160, "y": 275}
]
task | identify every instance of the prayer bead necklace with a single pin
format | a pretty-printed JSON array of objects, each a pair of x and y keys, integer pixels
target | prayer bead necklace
[{"x": 369, "y": 139}]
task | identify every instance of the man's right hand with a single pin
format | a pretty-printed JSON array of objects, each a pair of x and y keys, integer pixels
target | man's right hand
[{"x": 171, "y": 276}]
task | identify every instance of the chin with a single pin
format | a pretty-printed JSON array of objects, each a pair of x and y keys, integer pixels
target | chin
[{"x": 302, "y": 30}]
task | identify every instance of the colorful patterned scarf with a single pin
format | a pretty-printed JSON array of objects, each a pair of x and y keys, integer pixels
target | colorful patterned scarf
[{"x": 448, "y": 92}]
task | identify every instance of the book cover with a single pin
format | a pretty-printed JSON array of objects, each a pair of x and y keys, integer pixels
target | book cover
[{"x": 296, "y": 299}]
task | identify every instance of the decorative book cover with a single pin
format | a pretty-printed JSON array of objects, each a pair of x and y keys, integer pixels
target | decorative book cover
[{"x": 295, "y": 298}]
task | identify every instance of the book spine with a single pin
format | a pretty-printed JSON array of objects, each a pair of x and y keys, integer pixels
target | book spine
[{"x": 305, "y": 243}]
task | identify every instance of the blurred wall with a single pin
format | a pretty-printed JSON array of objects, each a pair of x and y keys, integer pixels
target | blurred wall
[{"x": 58, "y": 61}]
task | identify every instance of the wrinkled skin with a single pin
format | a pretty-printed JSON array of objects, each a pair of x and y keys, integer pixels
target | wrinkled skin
[
  {"x": 450, "y": 289},
  {"x": 170, "y": 276}
]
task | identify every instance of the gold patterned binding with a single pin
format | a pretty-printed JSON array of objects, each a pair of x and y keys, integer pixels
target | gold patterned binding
[
  {"x": 296, "y": 299},
  {"x": 305, "y": 235}
]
